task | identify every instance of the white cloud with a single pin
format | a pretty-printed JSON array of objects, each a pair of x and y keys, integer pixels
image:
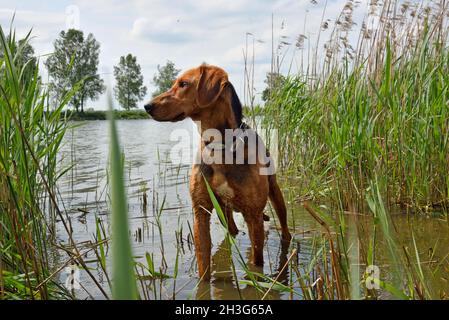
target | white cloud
[
  {"x": 44, "y": 24},
  {"x": 161, "y": 30}
]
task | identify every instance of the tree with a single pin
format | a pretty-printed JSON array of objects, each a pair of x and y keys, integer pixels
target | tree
[
  {"x": 273, "y": 81},
  {"x": 75, "y": 63},
  {"x": 165, "y": 77},
  {"x": 129, "y": 88},
  {"x": 27, "y": 54},
  {"x": 24, "y": 53}
]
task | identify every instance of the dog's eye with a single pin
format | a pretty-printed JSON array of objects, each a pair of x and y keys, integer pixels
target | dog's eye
[{"x": 183, "y": 84}]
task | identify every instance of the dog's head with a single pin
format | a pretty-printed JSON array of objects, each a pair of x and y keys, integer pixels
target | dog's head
[{"x": 194, "y": 91}]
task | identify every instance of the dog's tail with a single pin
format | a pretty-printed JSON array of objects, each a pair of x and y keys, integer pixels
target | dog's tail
[{"x": 277, "y": 201}]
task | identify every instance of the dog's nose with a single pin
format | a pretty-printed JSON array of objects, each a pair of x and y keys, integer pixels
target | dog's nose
[{"x": 148, "y": 107}]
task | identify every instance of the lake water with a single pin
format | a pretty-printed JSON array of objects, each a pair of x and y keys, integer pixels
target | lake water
[{"x": 153, "y": 172}]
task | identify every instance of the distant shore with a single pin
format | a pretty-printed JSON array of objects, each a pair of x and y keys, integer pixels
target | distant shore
[
  {"x": 136, "y": 114},
  {"x": 102, "y": 115}
]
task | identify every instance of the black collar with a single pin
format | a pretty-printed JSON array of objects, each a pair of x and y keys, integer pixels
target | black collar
[{"x": 219, "y": 145}]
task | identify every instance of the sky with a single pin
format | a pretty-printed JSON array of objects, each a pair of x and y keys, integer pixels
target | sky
[{"x": 186, "y": 32}]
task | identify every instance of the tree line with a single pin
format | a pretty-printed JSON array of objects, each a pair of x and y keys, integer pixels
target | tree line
[{"x": 74, "y": 63}]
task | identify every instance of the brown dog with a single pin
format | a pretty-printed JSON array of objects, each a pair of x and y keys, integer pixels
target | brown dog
[{"x": 204, "y": 94}]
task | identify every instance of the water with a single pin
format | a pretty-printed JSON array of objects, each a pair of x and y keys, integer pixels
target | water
[{"x": 153, "y": 172}]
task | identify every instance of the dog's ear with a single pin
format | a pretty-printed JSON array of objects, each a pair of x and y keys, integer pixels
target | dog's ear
[{"x": 210, "y": 86}]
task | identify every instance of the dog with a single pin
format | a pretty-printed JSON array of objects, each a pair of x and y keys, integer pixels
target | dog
[{"x": 205, "y": 94}]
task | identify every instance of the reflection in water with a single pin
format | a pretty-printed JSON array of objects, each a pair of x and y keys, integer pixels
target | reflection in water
[
  {"x": 223, "y": 286},
  {"x": 153, "y": 179}
]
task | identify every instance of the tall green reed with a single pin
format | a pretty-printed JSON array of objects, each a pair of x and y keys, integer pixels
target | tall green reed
[
  {"x": 30, "y": 137},
  {"x": 31, "y": 133},
  {"x": 383, "y": 111},
  {"x": 366, "y": 130},
  {"x": 124, "y": 280}
]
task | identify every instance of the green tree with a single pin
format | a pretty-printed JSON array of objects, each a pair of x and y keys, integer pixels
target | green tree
[
  {"x": 273, "y": 81},
  {"x": 27, "y": 54},
  {"x": 165, "y": 77},
  {"x": 25, "y": 58},
  {"x": 129, "y": 88},
  {"x": 75, "y": 63}
]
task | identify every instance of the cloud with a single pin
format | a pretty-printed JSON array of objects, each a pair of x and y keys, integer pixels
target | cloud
[
  {"x": 44, "y": 25},
  {"x": 164, "y": 30}
]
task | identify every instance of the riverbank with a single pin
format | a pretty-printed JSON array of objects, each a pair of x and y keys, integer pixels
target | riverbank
[
  {"x": 133, "y": 114},
  {"x": 102, "y": 115}
]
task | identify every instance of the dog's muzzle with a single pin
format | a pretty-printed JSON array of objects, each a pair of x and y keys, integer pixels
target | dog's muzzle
[{"x": 149, "y": 107}]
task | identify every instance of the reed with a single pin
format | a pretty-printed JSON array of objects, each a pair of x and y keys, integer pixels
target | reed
[
  {"x": 380, "y": 108},
  {"x": 30, "y": 137},
  {"x": 31, "y": 134},
  {"x": 365, "y": 131},
  {"x": 124, "y": 280}
]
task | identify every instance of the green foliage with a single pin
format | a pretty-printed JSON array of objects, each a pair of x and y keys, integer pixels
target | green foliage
[
  {"x": 129, "y": 88},
  {"x": 253, "y": 112},
  {"x": 75, "y": 60},
  {"x": 365, "y": 132},
  {"x": 274, "y": 81},
  {"x": 389, "y": 119},
  {"x": 124, "y": 281},
  {"x": 131, "y": 115},
  {"x": 102, "y": 115},
  {"x": 25, "y": 61},
  {"x": 165, "y": 77},
  {"x": 30, "y": 137}
]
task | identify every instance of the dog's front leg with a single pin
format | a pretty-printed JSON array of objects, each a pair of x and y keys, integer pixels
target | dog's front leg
[{"x": 202, "y": 239}]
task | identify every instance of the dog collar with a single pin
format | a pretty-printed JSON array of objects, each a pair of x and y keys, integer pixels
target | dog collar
[
  {"x": 215, "y": 145},
  {"x": 235, "y": 145}
]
